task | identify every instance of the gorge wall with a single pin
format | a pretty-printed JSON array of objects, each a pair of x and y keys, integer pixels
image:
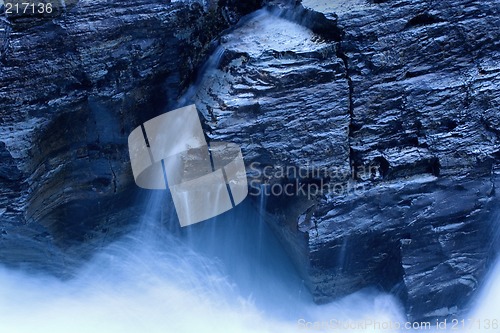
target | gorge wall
[
  {"x": 73, "y": 84},
  {"x": 397, "y": 101},
  {"x": 393, "y": 107}
]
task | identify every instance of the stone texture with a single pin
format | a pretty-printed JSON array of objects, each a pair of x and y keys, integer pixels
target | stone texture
[
  {"x": 73, "y": 84},
  {"x": 396, "y": 102},
  {"x": 399, "y": 102},
  {"x": 257, "y": 95}
]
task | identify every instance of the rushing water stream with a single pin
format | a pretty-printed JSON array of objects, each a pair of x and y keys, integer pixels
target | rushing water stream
[
  {"x": 229, "y": 274},
  {"x": 225, "y": 275}
]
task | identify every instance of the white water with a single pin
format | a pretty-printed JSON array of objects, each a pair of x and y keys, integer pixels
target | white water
[
  {"x": 223, "y": 276},
  {"x": 227, "y": 275}
]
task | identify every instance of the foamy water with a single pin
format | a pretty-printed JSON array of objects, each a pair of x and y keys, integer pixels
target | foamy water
[{"x": 221, "y": 276}]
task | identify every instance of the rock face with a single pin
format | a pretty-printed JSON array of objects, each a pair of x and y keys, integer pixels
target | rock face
[
  {"x": 392, "y": 107},
  {"x": 373, "y": 124},
  {"x": 73, "y": 84}
]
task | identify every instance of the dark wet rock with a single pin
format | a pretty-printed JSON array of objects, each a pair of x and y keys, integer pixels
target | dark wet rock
[
  {"x": 401, "y": 110},
  {"x": 73, "y": 84},
  {"x": 392, "y": 107},
  {"x": 257, "y": 97},
  {"x": 234, "y": 10}
]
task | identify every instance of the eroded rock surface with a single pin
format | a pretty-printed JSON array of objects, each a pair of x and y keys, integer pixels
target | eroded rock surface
[
  {"x": 399, "y": 101},
  {"x": 73, "y": 84}
]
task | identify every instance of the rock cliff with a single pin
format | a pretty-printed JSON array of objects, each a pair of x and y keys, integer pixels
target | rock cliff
[
  {"x": 392, "y": 108},
  {"x": 73, "y": 84},
  {"x": 383, "y": 114}
]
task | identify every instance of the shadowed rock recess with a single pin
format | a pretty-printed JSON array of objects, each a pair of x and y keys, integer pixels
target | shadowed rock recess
[
  {"x": 393, "y": 106},
  {"x": 73, "y": 85}
]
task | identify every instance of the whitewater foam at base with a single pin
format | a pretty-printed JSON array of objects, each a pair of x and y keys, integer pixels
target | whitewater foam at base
[
  {"x": 220, "y": 277},
  {"x": 227, "y": 275}
]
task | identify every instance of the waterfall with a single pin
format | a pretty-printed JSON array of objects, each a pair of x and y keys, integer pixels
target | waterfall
[
  {"x": 224, "y": 275},
  {"x": 229, "y": 274}
]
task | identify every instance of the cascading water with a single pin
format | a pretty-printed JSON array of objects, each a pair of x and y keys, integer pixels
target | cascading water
[
  {"x": 222, "y": 275},
  {"x": 225, "y": 275}
]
